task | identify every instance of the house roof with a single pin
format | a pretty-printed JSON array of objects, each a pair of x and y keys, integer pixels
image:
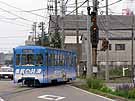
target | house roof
[
  {"x": 115, "y": 22},
  {"x": 119, "y": 26}
]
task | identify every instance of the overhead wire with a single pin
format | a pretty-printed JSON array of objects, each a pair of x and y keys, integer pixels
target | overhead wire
[
  {"x": 10, "y": 19},
  {"x": 20, "y": 9},
  {"x": 111, "y": 3},
  {"x": 9, "y": 37},
  {"x": 15, "y": 15},
  {"x": 12, "y": 23},
  {"x": 77, "y": 8}
]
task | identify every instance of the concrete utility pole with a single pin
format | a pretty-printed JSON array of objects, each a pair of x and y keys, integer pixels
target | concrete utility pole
[
  {"x": 42, "y": 29},
  {"x": 77, "y": 33},
  {"x": 34, "y": 28},
  {"x": 62, "y": 33},
  {"x": 94, "y": 44},
  {"x": 88, "y": 45},
  {"x": 107, "y": 51},
  {"x": 132, "y": 51},
  {"x": 56, "y": 18}
]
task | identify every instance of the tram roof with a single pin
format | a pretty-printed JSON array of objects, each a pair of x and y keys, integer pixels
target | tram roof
[
  {"x": 32, "y": 47},
  {"x": 38, "y": 47}
]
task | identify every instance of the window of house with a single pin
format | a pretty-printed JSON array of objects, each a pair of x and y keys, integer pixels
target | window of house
[
  {"x": 119, "y": 47},
  {"x": 110, "y": 46}
]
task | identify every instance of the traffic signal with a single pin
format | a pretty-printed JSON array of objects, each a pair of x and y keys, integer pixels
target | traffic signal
[
  {"x": 105, "y": 44},
  {"x": 94, "y": 30}
]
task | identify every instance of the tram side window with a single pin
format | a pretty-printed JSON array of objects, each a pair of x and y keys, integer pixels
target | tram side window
[
  {"x": 17, "y": 59},
  {"x": 60, "y": 60},
  {"x": 27, "y": 59},
  {"x": 46, "y": 59},
  {"x": 39, "y": 59},
  {"x": 67, "y": 60},
  {"x": 70, "y": 61},
  {"x": 53, "y": 59}
]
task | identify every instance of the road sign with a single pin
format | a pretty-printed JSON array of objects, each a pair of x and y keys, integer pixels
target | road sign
[{"x": 51, "y": 97}]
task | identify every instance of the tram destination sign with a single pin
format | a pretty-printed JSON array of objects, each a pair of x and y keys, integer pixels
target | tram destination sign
[{"x": 27, "y": 51}]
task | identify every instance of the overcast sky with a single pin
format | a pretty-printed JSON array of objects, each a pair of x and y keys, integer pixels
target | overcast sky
[{"x": 15, "y": 24}]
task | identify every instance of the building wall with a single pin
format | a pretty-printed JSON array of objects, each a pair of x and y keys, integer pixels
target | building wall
[{"x": 117, "y": 56}]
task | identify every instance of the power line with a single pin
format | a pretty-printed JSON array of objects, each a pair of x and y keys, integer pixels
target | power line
[
  {"x": 15, "y": 15},
  {"x": 20, "y": 9},
  {"x": 9, "y": 19},
  {"x": 77, "y": 8},
  {"x": 10, "y": 37},
  {"x": 13, "y": 23},
  {"x": 66, "y": 2},
  {"x": 34, "y": 10},
  {"x": 111, "y": 4}
]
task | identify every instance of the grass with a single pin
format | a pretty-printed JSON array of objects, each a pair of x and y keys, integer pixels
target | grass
[{"x": 98, "y": 87}]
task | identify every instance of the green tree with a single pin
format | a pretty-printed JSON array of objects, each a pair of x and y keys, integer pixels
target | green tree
[{"x": 55, "y": 40}]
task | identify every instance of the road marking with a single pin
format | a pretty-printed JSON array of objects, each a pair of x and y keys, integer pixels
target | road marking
[
  {"x": 1, "y": 99},
  {"x": 91, "y": 93},
  {"x": 51, "y": 97}
]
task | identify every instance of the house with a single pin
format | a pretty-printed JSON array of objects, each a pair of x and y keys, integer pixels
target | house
[{"x": 120, "y": 29}]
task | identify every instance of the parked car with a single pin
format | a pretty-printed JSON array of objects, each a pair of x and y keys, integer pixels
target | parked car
[{"x": 6, "y": 72}]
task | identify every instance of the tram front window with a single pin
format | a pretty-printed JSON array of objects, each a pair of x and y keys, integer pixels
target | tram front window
[
  {"x": 28, "y": 59},
  {"x": 18, "y": 59}
]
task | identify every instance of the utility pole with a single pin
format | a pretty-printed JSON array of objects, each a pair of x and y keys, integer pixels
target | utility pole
[
  {"x": 88, "y": 43},
  {"x": 34, "y": 27},
  {"x": 94, "y": 36},
  {"x": 107, "y": 51},
  {"x": 132, "y": 51},
  {"x": 77, "y": 33},
  {"x": 62, "y": 33},
  {"x": 41, "y": 26},
  {"x": 56, "y": 18}
]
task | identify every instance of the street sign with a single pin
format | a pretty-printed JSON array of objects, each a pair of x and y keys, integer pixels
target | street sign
[
  {"x": 51, "y": 97},
  {"x": 95, "y": 69}
]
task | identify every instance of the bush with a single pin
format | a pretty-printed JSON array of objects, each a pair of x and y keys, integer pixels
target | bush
[
  {"x": 131, "y": 93},
  {"x": 126, "y": 91},
  {"x": 106, "y": 89},
  {"x": 94, "y": 83}
]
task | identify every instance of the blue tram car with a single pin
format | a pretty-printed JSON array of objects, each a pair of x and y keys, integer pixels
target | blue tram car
[{"x": 35, "y": 65}]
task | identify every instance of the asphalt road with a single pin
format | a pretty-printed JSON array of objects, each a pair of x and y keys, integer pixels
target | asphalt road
[{"x": 11, "y": 92}]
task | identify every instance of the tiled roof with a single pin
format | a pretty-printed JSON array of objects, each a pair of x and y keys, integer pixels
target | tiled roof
[{"x": 119, "y": 25}]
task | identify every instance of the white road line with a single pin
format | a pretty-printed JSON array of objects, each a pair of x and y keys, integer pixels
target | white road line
[
  {"x": 51, "y": 97},
  {"x": 1, "y": 99},
  {"x": 91, "y": 93}
]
